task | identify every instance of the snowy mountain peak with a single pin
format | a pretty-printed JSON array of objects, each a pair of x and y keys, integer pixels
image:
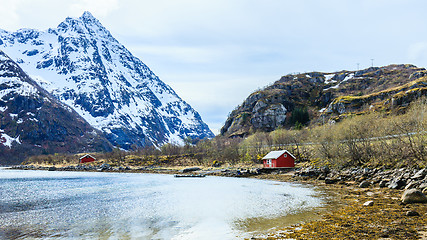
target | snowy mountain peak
[
  {"x": 87, "y": 16},
  {"x": 85, "y": 24},
  {"x": 82, "y": 65}
]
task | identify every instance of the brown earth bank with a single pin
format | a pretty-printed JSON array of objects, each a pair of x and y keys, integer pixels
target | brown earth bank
[{"x": 364, "y": 203}]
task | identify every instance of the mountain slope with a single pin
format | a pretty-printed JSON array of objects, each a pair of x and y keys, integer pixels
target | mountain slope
[
  {"x": 82, "y": 65},
  {"x": 326, "y": 96},
  {"x": 33, "y": 122}
]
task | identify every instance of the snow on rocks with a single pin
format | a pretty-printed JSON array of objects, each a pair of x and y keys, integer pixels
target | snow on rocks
[
  {"x": 7, "y": 140},
  {"x": 85, "y": 67}
]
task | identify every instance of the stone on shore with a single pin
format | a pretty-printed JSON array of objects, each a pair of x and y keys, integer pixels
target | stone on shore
[
  {"x": 368, "y": 203},
  {"x": 412, "y": 184},
  {"x": 412, "y": 213},
  {"x": 413, "y": 196},
  {"x": 383, "y": 183},
  {"x": 364, "y": 184},
  {"x": 191, "y": 169},
  {"x": 330, "y": 180},
  {"x": 397, "y": 183},
  {"x": 104, "y": 167},
  {"x": 420, "y": 174}
]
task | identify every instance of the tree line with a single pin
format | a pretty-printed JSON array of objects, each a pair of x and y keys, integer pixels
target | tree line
[{"x": 376, "y": 139}]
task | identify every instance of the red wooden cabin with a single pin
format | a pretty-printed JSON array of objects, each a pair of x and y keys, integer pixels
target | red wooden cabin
[
  {"x": 87, "y": 158},
  {"x": 279, "y": 159}
]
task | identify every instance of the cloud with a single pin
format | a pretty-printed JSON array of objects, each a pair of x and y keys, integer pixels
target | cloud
[
  {"x": 215, "y": 95},
  {"x": 187, "y": 54},
  {"x": 9, "y": 17},
  {"x": 99, "y": 8},
  {"x": 42, "y": 14},
  {"x": 418, "y": 52}
]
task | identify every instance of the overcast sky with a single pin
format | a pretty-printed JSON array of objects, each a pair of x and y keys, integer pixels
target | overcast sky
[{"x": 214, "y": 53}]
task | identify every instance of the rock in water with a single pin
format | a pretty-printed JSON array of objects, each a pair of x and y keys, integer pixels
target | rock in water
[{"x": 413, "y": 196}]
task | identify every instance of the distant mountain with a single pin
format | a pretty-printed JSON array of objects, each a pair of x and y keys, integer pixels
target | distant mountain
[
  {"x": 85, "y": 67},
  {"x": 327, "y": 97},
  {"x": 33, "y": 122}
]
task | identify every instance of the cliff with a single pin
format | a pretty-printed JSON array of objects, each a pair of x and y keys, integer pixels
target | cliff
[{"x": 326, "y": 97}]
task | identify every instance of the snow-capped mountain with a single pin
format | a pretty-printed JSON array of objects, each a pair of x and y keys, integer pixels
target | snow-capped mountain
[
  {"x": 85, "y": 67},
  {"x": 33, "y": 122}
]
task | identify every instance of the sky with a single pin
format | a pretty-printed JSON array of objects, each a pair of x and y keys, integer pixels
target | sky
[{"x": 214, "y": 53}]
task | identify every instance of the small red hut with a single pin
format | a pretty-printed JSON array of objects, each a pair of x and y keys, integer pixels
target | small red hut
[
  {"x": 279, "y": 159},
  {"x": 87, "y": 158}
]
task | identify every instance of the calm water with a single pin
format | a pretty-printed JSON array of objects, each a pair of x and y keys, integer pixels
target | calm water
[{"x": 79, "y": 205}]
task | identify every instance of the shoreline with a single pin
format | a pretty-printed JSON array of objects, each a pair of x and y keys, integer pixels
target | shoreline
[
  {"x": 385, "y": 218},
  {"x": 345, "y": 215},
  {"x": 183, "y": 170}
]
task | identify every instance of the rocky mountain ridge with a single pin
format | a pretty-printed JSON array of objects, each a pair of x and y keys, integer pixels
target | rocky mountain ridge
[
  {"x": 85, "y": 67},
  {"x": 327, "y": 97},
  {"x": 33, "y": 122}
]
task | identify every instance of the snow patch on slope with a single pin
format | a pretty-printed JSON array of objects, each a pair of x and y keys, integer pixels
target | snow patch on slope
[
  {"x": 7, "y": 140},
  {"x": 350, "y": 76},
  {"x": 16, "y": 86},
  {"x": 328, "y": 78}
]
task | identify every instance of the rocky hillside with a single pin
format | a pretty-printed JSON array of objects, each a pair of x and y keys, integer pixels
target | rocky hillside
[
  {"x": 327, "y": 97},
  {"x": 85, "y": 67},
  {"x": 33, "y": 122}
]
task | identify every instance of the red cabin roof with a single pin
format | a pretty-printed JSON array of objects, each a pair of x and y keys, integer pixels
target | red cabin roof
[{"x": 87, "y": 158}]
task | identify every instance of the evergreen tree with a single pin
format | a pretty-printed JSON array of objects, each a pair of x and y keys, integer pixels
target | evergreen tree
[{"x": 299, "y": 117}]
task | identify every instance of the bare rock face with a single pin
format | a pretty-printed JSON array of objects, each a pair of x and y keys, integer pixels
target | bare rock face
[
  {"x": 328, "y": 97},
  {"x": 413, "y": 196},
  {"x": 271, "y": 118}
]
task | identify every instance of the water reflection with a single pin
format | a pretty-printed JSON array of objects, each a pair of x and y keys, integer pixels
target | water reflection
[{"x": 72, "y": 205}]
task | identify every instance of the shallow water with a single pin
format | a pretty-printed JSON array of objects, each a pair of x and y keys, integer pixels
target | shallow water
[{"x": 81, "y": 205}]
